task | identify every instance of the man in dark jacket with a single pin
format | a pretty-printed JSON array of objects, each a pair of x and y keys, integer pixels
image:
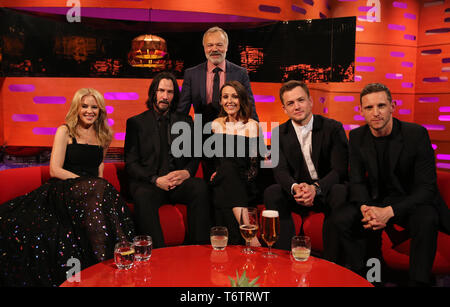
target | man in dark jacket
[
  {"x": 393, "y": 180},
  {"x": 157, "y": 174},
  {"x": 312, "y": 167}
]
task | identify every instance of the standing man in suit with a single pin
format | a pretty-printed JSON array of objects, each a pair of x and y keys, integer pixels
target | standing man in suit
[
  {"x": 313, "y": 159},
  {"x": 202, "y": 83},
  {"x": 393, "y": 181},
  {"x": 156, "y": 176}
]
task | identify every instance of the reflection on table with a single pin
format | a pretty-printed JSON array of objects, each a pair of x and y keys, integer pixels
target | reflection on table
[{"x": 201, "y": 266}]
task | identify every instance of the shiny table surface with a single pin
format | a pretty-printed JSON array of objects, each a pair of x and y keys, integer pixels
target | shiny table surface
[{"x": 201, "y": 266}]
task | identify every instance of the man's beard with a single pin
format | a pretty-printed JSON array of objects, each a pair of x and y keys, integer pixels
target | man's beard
[
  {"x": 216, "y": 61},
  {"x": 164, "y": 108}
]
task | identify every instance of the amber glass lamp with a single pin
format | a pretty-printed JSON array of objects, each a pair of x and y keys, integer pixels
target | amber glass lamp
[{"x": 148, "y": 51}]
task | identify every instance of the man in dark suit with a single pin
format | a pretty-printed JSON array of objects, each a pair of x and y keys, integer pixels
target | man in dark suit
[
  {"x": 393, "y": 180},
  {"x": 157, "y": 174},
  {"x": 202, "y": 83},
  {"x": 313, "y": 159}
]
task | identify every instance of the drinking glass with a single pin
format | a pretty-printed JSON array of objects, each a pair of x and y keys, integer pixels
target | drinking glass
[
  {"x": 219, "y": 237},
  {"x": 142, "y": 247},
  {"x": 248, "y": 225},
  {"x": 301, "y": 248},
  {"x": 124, "y": 255},
  {"x": 270, "y": 225}
]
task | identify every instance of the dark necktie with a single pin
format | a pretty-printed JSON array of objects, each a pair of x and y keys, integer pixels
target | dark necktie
[
  {"x": 216, "y": 88},
  {"x": 164, "y": 146}
]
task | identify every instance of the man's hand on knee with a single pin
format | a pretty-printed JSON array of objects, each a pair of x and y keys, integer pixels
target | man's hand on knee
[{"x": 376, "y": 218}]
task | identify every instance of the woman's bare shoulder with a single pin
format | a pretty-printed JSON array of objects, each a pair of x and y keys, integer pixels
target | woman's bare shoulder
[
  {"x": 218, "y": 125},
  {"x": 253, "y": 127},
  {"x": 62, "y": 130}
]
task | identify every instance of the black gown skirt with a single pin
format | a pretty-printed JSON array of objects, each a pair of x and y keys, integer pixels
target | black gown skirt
[
  {"x": 235, "y": 182},
  {"x": 78, "y": 218}
]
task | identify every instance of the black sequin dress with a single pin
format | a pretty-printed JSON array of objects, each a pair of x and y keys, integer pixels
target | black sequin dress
[{"x": 81, "y": 218}]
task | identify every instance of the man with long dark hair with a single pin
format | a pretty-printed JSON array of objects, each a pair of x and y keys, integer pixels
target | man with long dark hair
[{"x": 156, "y": 175}]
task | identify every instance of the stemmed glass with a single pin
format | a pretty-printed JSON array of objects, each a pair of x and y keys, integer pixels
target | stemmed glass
[
  {"x": 248, "y": 225},
  {"x": 270, "y": 230}
]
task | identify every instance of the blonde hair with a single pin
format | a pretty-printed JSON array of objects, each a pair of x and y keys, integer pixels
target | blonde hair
[{"x": 102, "y": 129}]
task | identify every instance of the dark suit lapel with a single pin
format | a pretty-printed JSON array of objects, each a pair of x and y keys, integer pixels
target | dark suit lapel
[
  {"x": 295, "y": 154},
  {"x": 395, "y": 147},
  {"x": 317, "y": 137},
  {"x": 369, "y": 154},
  {"x": 202, "y": 82},
  {"x": 229, "y": 73},
  {"x": 152, "y": 124}
]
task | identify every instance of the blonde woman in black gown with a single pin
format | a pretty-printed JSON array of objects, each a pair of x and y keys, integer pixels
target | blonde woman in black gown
[
  {"x": 237, "y": 159},
  {"x": 75, "y": 214}
]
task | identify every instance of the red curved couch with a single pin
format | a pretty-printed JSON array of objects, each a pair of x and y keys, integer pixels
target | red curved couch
[
  {"x": 395, "y": 246},
  {"x": 19, "y": 181},
  {"x": 173, "y": 218}
]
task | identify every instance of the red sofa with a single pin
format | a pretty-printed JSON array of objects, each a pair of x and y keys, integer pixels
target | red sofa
[
  {"x": 19, "y": 181},
  {"x": 395, "y": 246},
  {"x": 173, "y": 218},
  {"x": 395, "y": 252}
]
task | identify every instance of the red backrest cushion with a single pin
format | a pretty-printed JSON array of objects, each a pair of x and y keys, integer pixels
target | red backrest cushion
[
  {"x": 183, "y": 210},
  {"x": 199, "y": 173},
  {"x": 110, "y": 174},
  {"x": 122, "y": 176},
  {"x": 172, "y": 225},
  {"x": 443, "y": 182},
  {"x": 45, "y": 173},
  {"x": 18, "y": 181},
  {"x": 312, "y": 226}
]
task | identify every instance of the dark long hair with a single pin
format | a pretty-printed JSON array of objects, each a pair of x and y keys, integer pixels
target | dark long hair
[
  {"x": 154, "y": 87},
  {"x": 245, "y": 109}
]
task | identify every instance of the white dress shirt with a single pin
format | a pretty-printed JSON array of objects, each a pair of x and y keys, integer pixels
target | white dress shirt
[{"x": 304, "y": 136}]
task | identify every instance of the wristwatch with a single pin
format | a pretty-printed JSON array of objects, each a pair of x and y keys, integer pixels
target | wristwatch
[{"x": 318, "y": 189}]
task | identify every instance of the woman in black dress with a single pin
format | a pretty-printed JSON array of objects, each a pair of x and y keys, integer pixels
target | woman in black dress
[
  {"x": 237, "y": 159},
  {"x": 75, "y": 214}
]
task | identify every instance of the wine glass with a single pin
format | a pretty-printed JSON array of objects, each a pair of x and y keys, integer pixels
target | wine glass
[
  {"x": 248, "y": 225},
  {"x": 270, "y": 230}
]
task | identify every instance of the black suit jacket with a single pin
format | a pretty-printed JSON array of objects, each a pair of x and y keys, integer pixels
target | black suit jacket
[
  {"x": 412, "y": 169},
  {"x": 194, "y": 87},
  {"x": 329, "y": 155},
  {"x": 142, "y": 146}
]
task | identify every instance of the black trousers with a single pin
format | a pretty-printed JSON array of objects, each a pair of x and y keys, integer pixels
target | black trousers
[
  {"x": 421, "y": 223},
  {"x": 148, "y": 199},
  {"x": 275, "y": 198}
]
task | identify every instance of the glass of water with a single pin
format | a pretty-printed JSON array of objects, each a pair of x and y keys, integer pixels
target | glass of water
[
  {"x": 142, "y": 247},
  {"x": 219, "y": 237},
  {"x": 301, "y": 248},
  {"x": 124, "y": 255}
]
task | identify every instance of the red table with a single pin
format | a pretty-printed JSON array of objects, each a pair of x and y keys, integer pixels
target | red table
[{"x": 201, "y": 266}]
